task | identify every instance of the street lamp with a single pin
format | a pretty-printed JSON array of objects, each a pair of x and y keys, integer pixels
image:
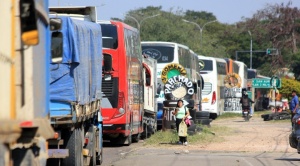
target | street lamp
[
  {"x": 201, "y": 29},
  {"x": 140, "y": 23},
  {"x": 250, "y": 50}
]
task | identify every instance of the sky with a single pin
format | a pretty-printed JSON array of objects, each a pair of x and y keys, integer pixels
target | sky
[{"x": 226, "y": 11}]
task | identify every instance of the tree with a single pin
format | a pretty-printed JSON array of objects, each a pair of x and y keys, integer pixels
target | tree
[
  {"x": 278, "y": 25},
  {"x": 287, "y": 86},
  {"x": 202, "y": 15}
]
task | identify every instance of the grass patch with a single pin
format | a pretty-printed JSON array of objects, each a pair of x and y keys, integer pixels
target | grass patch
[
  {"x": 259, "y": 113},
  {"x": 229, "y": 115},
  {"x": 207, "y": 135}
]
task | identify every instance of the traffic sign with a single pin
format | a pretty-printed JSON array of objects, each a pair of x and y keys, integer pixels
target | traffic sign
[
  {"x": 261, "y": 83},
  {"x": 266, "y": 83},
  {"x": 275, "y": 82}
]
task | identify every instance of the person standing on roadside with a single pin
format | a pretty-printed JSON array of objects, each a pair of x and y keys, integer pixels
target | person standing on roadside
[
  {"x": 294, "y": 105},
  {"x": 181, "y": 112}
]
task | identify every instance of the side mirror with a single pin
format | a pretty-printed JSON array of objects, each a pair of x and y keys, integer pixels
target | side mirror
[
  {"x": 28, "y": 19},
  {"x": 201, "y": 83},
  {"x": 55, "y": 24},
  {"x": 158, "y": 88},
  {"x": 57, "y": 47},
  {"x": 195, "y": 87},
  {"x": 107, "y": 63}
]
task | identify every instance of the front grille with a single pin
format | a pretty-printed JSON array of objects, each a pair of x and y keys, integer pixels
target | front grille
[
  {"x": 107, "y": 87},
  {"x": 207, "y": 88},
  {"x": 110, "y": 90}
]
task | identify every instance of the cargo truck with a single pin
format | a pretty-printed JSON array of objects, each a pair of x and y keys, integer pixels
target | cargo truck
[{"x": 75, "y": 87}]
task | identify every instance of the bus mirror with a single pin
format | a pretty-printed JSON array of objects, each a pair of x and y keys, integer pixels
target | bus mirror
[
  {"x": 55, "y": 24},
  {"x": 195, "y": 87},
  {"x": 158, "y": 89},
  {"x": 107, "y": 63},
  {"x": 201, "y": 83},
  {"x": 28, "y": 19}
]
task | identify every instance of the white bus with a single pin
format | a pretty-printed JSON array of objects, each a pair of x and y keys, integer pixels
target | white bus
[
  {"x": 170, "y": 52},
  {"x": 213, "y": 70},
  {"x": 243, "y": 73}
]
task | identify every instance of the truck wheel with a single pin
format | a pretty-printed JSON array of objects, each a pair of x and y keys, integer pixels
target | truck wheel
[
  {"x": 99, "y": 153},
  {"x": 203, "y": 121},
  {"x": 94, "y": 158},
  {"x": 74, "y": 144},
  {"x": 202, "y": 114}
]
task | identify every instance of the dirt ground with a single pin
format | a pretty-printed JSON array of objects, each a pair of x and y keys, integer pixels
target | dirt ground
[{"x": 253, "y": 136}]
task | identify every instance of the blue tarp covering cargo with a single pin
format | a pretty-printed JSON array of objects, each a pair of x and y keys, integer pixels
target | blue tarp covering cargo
[{"x": 78, "y": 77}]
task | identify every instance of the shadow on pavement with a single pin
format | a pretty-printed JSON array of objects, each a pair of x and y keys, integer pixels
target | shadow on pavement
[{"x": 289, "y": 159}]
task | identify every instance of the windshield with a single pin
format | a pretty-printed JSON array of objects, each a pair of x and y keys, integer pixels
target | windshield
[
  {"x": 208, "y": 65},
  {"x": 109, "y": 36},
  {"x": 163, "y": 54}
]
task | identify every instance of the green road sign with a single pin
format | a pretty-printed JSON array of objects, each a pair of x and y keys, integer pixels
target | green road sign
[
  {"x": 266, "y": 83},
  {"x": 275, "y": 82},
  {"x": 261, "y": 83}
]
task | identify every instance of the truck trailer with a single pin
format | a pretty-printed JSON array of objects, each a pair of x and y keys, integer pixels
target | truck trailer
[{"x": 75, "y": 87}]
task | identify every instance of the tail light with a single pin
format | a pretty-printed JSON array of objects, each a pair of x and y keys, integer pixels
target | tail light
[
  {"x": 26, "y": 124},
  {"x": 298, "y": 121},
  {"x": 214, "y": 98},
  {"x": 86, "y": 141},
  {"x": 121, "y": 105}
]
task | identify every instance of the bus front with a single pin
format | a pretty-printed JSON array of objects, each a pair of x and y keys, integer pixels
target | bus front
[{"x": 164, "y": 54}]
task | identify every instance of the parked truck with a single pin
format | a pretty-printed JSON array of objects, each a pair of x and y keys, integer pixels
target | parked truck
[
  {"x": 75, "y": 87},
  {"x": 24, "y": 97}
]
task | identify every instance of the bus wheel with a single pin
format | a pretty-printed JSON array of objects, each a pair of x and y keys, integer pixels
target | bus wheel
[{"x": 136, "y": 137}]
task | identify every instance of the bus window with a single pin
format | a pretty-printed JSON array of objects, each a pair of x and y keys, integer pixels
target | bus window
[
  {"x": 109, "y": 36},
  {"x": 221, "y": 68}
]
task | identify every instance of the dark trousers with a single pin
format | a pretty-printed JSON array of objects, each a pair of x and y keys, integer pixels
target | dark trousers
[
  {"x": 181, "y": 139},
  {"x": 293, "y": 114}
]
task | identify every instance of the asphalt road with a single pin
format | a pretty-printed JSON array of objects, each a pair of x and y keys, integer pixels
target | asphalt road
[{"x": 113, "y": 153}]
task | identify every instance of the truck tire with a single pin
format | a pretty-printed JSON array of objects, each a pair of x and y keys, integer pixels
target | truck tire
[
  {"x": 202, "y": 114},
  {"x": 99, "y": 153},
  {"x": 74, "y": 144},
  {"x": 193, "y": 114},
  {"x": 203, "y": 122},
  {"x": 94, "y": 157},
  {"x": 192, "y": 127}
]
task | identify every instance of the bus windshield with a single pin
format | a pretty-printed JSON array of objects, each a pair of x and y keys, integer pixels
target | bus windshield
[
  {"x": 208, "y": 65},
  {"x": 163, "y": 54},
  {"x": 109, "y": 36}
]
